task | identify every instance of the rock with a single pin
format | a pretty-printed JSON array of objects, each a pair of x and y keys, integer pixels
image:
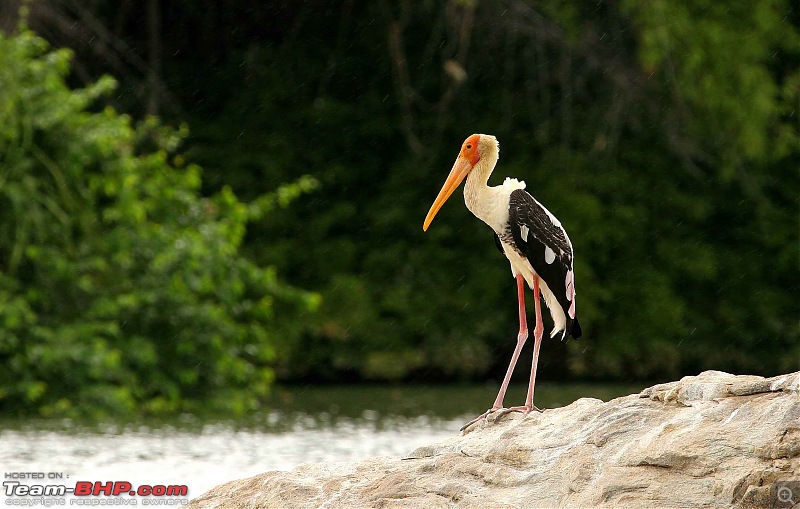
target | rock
[{"x": 712, "y": 440}]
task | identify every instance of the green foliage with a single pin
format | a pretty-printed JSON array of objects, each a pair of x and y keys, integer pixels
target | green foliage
[
  {"x": 664, "y": 135},
  {"x": 717, "y": 58},
  {"x": 121, "y": 288}
]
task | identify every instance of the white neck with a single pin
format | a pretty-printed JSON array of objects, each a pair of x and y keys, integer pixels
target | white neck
[{"x": 489, "y": 204}]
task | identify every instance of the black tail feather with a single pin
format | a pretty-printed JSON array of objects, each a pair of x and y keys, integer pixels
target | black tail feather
[{"x": 576, "y": 331}]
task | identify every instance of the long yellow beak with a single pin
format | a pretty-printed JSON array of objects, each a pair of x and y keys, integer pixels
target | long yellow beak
[{"x": 460, "y": 170}]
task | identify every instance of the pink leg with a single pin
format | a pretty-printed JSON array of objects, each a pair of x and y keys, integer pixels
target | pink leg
[
  {"x": 538, "y": 332},
  {"x": 522, "y": 336}
]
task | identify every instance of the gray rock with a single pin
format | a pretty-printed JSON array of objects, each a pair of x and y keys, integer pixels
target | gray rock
[{"x": 712, "y": 440}]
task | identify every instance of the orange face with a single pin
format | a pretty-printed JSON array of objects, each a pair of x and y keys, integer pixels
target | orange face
[
  {"x": 466, "y": 160},
  {"x": 469, "y": 149}
]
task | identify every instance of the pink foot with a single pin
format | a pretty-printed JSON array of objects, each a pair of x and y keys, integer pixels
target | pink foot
[
  {"x": 484, "y": 415},
  {"x": 524, "y": 409}
]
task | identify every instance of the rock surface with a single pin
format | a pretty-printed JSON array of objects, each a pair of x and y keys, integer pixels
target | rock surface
[{"x": 712, "y": 440}]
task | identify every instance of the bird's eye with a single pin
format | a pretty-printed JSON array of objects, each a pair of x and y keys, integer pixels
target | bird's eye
[{"x": 469, "y": 147}]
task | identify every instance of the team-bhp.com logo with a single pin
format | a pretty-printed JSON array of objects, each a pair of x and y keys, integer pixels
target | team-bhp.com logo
[{"x": 87, "y": 492}]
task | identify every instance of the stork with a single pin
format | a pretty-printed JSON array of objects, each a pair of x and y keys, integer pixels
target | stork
[{"x": 533, "y": 240}]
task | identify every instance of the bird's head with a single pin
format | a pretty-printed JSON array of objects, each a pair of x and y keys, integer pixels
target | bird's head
[{"x": 477, "y": 149}]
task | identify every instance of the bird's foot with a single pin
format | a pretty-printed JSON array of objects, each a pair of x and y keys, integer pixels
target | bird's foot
[
  {"x": 525, "y": 410},
  {"x": 484, "y": 415}
]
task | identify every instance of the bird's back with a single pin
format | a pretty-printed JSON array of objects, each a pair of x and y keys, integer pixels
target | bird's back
[{"x": 542, "y": 240}]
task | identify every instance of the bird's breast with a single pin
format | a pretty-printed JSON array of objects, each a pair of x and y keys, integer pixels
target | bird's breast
[
  {"x": 490, "y": 205},
  {"x": 519, "y": 263}
]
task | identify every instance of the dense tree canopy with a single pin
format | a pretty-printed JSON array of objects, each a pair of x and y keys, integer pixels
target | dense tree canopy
[
  {"x": 664, "y": 134},
  {"x": 121, "y": 287}
]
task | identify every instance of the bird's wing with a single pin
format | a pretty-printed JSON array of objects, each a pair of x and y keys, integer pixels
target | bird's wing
[{"x": 540, "y": 237}]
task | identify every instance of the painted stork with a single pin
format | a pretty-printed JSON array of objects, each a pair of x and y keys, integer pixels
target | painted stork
[{"x": 532, "y": 239}]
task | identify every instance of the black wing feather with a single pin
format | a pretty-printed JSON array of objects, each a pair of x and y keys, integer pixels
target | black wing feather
[{"x": 542, "y": 233}]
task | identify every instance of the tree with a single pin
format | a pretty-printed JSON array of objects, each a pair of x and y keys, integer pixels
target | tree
[
  {"x": 121, "y": 287},
  {"x": 663, "y": 134}
]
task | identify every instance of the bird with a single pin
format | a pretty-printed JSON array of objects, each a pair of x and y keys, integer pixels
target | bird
[{"x": 531, "y": 238}]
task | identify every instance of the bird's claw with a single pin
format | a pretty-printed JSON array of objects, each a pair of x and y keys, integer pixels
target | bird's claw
[
  {"x": 525, "y": 410},
  {"x": 484, "y": 415}
]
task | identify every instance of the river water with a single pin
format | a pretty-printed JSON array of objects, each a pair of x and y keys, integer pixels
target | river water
[{"x": 305, "y": 424}]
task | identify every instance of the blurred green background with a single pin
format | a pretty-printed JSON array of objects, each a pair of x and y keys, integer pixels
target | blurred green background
[{"x": 199, "y": 199}]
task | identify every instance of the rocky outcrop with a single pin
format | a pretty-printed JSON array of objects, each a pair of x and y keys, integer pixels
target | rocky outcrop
[{"x": 712, "y": 440}]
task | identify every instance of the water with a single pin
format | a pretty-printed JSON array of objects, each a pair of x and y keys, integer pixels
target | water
[{"x": 306, "y": 424}]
